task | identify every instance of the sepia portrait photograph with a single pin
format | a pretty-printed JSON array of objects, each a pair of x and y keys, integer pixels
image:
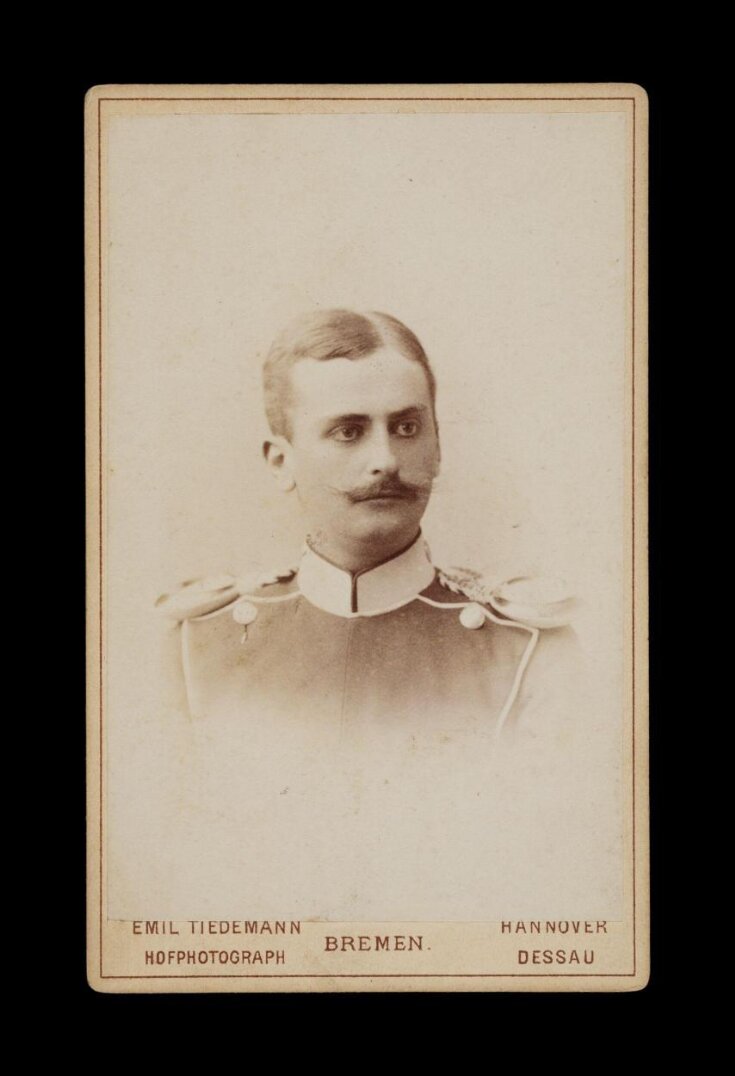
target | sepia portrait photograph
[{"x": 366, "y": 486}]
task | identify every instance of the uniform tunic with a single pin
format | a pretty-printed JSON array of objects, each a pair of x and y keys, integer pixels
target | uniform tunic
[
  {"x": 345, "y": 751},
  {"x": 400, "y": 648}
]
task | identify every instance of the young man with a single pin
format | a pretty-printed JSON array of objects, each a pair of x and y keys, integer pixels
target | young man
[{"x": 365, "y": 636}]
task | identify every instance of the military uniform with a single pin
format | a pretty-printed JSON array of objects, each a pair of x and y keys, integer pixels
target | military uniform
[
  {"x": 373, "y": 746},
  {"x": 404, "y": 647}
]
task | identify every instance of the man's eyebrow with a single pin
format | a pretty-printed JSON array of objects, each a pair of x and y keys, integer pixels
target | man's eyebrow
[
  {"x": 418, "y": 409},
  {"x": 337, "y": 419}
]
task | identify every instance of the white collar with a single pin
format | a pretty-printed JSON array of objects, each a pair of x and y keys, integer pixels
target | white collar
[{"x": 387, "y": 586}]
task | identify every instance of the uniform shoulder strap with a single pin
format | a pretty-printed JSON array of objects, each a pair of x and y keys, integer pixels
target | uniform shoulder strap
[
  {"x": 202, "y": 597},
  {"x": 533, "y": 601}
]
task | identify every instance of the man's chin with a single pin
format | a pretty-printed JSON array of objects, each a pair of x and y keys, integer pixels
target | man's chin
[{"x": 385, "y": 524}]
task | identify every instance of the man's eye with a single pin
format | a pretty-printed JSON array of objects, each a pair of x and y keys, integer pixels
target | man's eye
[
  {"x": 346, "y": 433},
  {"x": 407, "y": 428}
]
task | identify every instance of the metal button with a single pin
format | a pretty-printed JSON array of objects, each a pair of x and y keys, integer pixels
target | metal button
[
  {"x": 244, "y": 613},
  {"x": 472, "y": 616}
]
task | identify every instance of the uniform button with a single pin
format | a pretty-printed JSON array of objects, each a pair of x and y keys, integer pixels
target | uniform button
[
  {"x": 472, "y": 616},
  {"x": 244, "y": 613}
]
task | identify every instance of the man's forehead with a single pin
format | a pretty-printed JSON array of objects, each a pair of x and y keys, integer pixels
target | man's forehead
[{"x": 380, "y": 384}]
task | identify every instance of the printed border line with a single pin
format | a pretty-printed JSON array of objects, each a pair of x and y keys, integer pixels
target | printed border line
[
  {"x": 403, "y": 975},
  {"x": 368, "y": 99},
  {"x": 633, "y": 539},
  {"x": 101, "y": 494}
]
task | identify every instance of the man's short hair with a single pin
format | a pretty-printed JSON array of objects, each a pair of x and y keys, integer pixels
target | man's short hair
[{"x": 331, "y": 334}]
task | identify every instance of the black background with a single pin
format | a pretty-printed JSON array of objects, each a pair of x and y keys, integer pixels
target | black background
[{"x": 551, "y": 1027}]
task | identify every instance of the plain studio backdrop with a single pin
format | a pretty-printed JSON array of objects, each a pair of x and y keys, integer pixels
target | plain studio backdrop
[{"x": 502, "y": 241}]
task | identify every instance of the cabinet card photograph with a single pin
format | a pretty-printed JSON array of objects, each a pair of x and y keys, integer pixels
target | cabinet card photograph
[{"x": 367, "y": 538}]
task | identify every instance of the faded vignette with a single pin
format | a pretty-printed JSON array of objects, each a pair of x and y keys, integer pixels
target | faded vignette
[{"x": 507, "y": 226}]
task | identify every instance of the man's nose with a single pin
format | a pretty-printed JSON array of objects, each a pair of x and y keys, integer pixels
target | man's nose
[{"x": 382, "y": 458}]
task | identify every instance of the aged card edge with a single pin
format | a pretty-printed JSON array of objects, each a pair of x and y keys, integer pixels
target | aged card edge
[
  {"x": 95, "y": 522},
  {"x": 347, "y": 91},
  {"x": 92, "y": 254}
]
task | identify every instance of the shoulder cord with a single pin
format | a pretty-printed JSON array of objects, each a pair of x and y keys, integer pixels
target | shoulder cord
[
  {"x": 522, "y": 664},
  {"x": 186, "y": 666},
  {"x": 245, "y": 598}
]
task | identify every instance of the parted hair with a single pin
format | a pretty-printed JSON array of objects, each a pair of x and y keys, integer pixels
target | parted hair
[{"x": 331, "y": 334}]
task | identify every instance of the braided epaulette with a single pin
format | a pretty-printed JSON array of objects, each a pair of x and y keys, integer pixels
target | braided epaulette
[
  {"x": 468, "y": 583},
  {"x": 535, "y": 602},
  {"x": 199, "y": 597}
]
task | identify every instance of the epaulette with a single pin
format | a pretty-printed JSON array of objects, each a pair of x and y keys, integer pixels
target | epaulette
[
  {"x": 200, "y": 597},
  {"x": 534, "y": 602}
]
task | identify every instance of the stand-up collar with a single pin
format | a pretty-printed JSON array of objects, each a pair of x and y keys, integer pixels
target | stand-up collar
[{"x": 387, "y": 586}]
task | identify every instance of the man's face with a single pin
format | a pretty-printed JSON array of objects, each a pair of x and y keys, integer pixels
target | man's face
[{"x": 363, "y": 452}]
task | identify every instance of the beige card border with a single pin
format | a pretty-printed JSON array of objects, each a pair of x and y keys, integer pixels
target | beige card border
[{"x": 103, "y": 936}]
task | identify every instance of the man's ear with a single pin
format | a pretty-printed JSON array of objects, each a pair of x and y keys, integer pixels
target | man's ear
[{"x": 277, "y": 455}]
